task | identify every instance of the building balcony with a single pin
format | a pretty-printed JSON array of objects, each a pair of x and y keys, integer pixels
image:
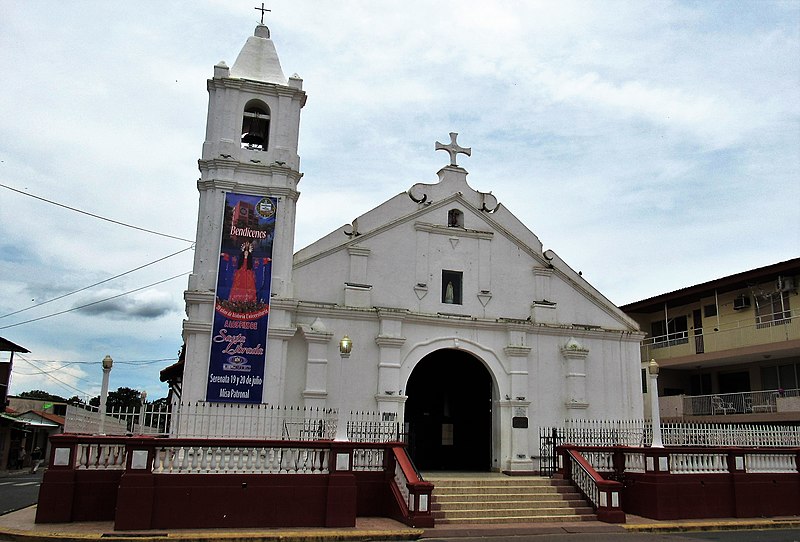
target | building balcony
[
  {"x": 776, "y": 333},
  {"x": 749, "y": 406}
]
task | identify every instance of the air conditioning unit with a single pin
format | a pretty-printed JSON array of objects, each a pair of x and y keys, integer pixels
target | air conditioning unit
[
  {"x": 741, "y": 302},
  {"x": 785, "y": 284}
]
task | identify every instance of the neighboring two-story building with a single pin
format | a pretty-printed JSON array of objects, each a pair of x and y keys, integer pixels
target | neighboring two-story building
[{"x": 729, "y": 349}]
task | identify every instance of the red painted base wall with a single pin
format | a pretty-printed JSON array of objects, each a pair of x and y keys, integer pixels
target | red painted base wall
[
  {"x": 145, "y": 501},
  {"x": 77, "y": 495},
  {"x": 695, "y": 496},
  {"x": 222, "y": 501}
]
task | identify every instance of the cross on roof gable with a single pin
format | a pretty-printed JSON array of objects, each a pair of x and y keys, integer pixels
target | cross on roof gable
[{"x": 453, "y": 148}]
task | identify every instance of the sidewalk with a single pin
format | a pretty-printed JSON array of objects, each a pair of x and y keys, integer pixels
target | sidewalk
[
  {"x": 640, "y": 524},
  {"x": 19, "y": 526}
]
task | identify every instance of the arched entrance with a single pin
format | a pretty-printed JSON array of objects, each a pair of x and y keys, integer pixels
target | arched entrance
[{"x": 449, "y": 412}]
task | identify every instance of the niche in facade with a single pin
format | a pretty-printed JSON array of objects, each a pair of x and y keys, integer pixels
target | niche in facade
[{"x": 455, "y": 219}]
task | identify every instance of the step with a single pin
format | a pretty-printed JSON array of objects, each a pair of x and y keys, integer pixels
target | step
[
  {"x": 506, "y": 505},
  {"x": 504, "y": 497},
  {"x": 521, "y": 519},
  {"x": 496, "y": 483},
  {"x": 495, "y": 490},
  {"x": 456, "y": 514},
  {"x": 497, "y": 499}
]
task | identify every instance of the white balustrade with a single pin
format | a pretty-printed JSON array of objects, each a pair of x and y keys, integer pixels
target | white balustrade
[
  {"x": 240, "y": 460},
  {"x": 368, "y": 459},
  {"x": 401, "y": 482},
  {"x": 96, "y": 456},
  {"x": 697, "y": 463},
  {"x": 584, "y": 480},
  {"x": 638, "y": 433},
  {"x": 634, "y": 462},
  {"x": 600, "y": 461},
  {"x": 774, "y": 463}
]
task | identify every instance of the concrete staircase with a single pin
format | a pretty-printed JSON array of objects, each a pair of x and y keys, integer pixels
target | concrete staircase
[{"x": 495, "y": 498}]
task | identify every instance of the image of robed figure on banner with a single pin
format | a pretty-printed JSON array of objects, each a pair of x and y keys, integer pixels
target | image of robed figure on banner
[{"x": 241, "y": 308}]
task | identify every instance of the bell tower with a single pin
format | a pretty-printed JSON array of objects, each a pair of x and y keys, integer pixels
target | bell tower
[{"x": 249, "y": 171}]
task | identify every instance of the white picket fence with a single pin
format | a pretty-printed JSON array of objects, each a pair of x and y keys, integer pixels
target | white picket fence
[
  {"x": 233, "y": 421},
  {"x": 639, "y": 433}
]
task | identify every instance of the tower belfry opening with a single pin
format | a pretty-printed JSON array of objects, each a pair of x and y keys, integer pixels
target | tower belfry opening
[{"x": 255, "y": 127}]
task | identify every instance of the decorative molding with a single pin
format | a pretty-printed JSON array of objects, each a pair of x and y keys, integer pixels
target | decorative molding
[
  {"x": 575, "y": 405},
  {"x": 312, "y": 335},
  {"x": 247, "y": 188},
  {"x": 354, "y": 250},
  {"x": 281, "y": 332},
  {"x": 516, "y": 351},
  {"x": 421, "y": 290},
  {"x": 196, "y": 327},
  {"x": 574, "y": 350},
  {"x": 454, "y": 242},
  {"x": 397, "y": 398},
  {"x": 197, "y": 296},
  {"x": 389, "y": 342},
  {"x": 355, "y": 286},
  {"x": 453, "y": 232},
  {"x": 484, "y": 297},
  {"x": 392, "y": 313}
]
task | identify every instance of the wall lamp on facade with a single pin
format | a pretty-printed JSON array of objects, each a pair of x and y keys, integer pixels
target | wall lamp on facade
[{"x": 345, "y": 346}]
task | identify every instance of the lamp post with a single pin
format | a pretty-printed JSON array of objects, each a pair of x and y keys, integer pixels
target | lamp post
[
  {"x": 345, "y": 347},
  {"x": 107, "y": 364},
  {"x": 143, "y": 412},
  {"x": 655, "y": 414}
]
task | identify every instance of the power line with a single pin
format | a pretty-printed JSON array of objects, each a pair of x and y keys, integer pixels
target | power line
[
  {"x": 95, "y": 302},
  {"x": 96, "y": 283},
  {"x": 48, "y": 375},
  {"x": 125, "y": 362},
  {"x": 94, "y": 215}
]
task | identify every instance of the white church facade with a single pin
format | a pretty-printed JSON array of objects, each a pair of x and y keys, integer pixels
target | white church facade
[{"x": 462, "y": 326}]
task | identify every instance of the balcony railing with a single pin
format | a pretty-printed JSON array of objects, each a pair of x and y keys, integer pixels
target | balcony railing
[
  {"x": 779, "y": 327},
  {"x": 748, "y": 402}
]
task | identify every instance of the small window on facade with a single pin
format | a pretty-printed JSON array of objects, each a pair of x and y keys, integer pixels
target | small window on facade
[
  {"x": 455, "y": 219},
  {"x": 255, "y": 127},
  {"x": 451, "y": 287},
  {"x": 709, "y": 311},
  {"x": 644, "y": 380}
]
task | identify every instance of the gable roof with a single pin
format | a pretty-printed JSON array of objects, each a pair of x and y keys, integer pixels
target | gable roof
[
  {"x": 452, "y": 189},
  {"x": 722, "y": 285},
  {"x": 420, "y": 199}
]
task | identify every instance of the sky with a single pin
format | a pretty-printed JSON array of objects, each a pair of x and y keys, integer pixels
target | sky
[{"x": 651, "y": 144}]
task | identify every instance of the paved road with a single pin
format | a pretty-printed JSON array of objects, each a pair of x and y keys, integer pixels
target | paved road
[
  {"x": 771, "y": 535},
  {"x": 19, "y": 491}
]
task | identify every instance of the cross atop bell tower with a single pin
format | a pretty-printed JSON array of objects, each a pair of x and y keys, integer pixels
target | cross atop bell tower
[{"x": 262, "y": 9}]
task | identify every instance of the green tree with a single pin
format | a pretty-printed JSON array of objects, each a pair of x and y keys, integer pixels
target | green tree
[
  {"x": 121, "y": 399},
  {"x": 159, "y": 404},
  {"x": 42, "y": 396}
]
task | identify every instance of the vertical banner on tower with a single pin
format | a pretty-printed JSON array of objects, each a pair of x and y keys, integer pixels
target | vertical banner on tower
[{"x": 241, "y": 309}]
